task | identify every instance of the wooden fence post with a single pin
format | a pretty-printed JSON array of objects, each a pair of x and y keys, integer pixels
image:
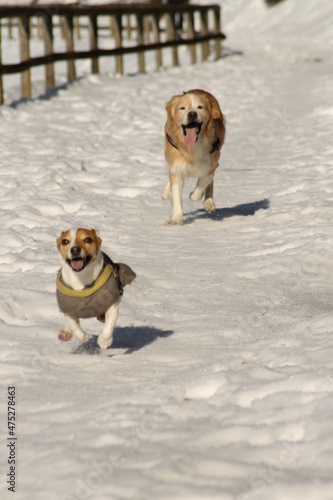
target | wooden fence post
[
  {"x": 217, "y": 23},
  {"x": 171, "y": 35},
  {"x": 48, "y": 49},
  {"x": 157, "y": 39},
  {"x": 117, "y": 30},
  {"x": 68, "y": 27},
  {"x": 141, "y": 55},
  {"x": 25, "y": 56},
  {"x": 1, "y": 86},
  {"x": 93, "y": 34},
  {"x": 204, "y": 31},
  {"x": 191, "y": 34}
]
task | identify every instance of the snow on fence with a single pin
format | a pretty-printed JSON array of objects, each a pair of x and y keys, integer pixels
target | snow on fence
[{"x": 155, "y": 27}]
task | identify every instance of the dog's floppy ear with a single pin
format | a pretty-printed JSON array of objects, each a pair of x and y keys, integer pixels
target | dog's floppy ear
[
  {"x": 98, "y": 239},
  {"x": 170, "y": 106},
  {"x": 216, "y": 111}
]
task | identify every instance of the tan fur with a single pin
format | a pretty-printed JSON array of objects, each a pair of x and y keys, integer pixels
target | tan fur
[{"x": 192, "y": 160}]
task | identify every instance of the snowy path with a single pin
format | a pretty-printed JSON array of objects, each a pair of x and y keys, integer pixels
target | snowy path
[{"x": 219, "y": 382}]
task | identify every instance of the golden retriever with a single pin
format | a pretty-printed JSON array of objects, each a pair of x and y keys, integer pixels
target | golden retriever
[{"x": 194, "y": 136}]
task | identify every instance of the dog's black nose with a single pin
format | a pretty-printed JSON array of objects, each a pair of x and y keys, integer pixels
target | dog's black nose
[
  {"x": 75, "y": 251},
  {"x": 192, "y": 116}
]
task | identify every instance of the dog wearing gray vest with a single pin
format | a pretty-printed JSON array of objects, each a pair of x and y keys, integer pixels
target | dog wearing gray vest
[{"x": 89, "y": 285}]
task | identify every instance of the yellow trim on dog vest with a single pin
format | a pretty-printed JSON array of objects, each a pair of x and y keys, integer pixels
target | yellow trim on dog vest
[{"x": 101, "y": 280}]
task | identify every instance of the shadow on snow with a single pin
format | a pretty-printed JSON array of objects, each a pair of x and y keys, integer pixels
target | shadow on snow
[
  {"x": 219, "y": 214},
  {"x": 131, "y": 338},
  {"x": 47, "y": 95}
]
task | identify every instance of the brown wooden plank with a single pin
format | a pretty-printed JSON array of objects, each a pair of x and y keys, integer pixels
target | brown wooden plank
[
  {"x": 204, "y": 32},
  {"x": 189, "y": 17},
  {"x": 7, "y": 69},
  {"x": 68, "y": 30},
  {"x": 1, "y": 83},
  {"x": 48, "y": 49},
  {"x": 140, "y": 41},
  {"x": 217, "y": 25},
  {"x": 106, "y": 9},
  {"x": 157, "y": 39},
  {"x": 117, "y": 31},
  {"x": 93, "y": 36},
  {"x": 171, "y": 35},
  {"x": 24, "y": 29}
]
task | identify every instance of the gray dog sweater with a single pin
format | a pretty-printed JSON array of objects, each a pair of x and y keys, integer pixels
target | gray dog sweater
[{"x": 95, "y": 299}]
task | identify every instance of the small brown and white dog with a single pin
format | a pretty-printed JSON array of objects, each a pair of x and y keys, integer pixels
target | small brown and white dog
[
  {"x": 89, "y": 284},
  {"x": 194, "y": 136}
]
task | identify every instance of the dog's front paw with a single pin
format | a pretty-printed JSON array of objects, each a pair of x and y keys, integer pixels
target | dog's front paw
[
  {"x": 103, "y": 342},
  {"x": 209, "y": 205},
  {"x": 82, "y": 337},
  {"x": 175, "y": 222}
]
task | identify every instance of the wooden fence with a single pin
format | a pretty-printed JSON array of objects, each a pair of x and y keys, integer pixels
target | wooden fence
[{"x": 155, "y": 28}]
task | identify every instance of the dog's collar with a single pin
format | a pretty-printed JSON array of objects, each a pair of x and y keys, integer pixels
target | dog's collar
[
  {"x": 215, "y": 145},
  {"x": 170, "y": 141},
  {"x": 86, "y": 292}
]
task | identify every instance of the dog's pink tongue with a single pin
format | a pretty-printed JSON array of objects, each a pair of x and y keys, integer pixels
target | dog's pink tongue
[
  {"x": 77, "y": 265},
  {"x": 191, "y": 136}
]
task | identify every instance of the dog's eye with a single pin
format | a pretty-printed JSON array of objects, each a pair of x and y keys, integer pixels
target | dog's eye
[
  {"x": 65, "y": 242},
  {"x": 88, "y": 240},
  {"x": 182, "y": 108},
  {"x": 200, "y": 107}
]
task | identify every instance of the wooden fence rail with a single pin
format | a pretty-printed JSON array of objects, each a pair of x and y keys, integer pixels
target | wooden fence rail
[{"x": 159, "y": 22}]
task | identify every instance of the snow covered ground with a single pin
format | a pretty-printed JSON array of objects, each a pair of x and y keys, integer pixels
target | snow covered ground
[{"x": 219, "y": 383}]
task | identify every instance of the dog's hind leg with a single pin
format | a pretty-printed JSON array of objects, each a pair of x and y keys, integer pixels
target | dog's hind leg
[
  {"x": 209, "y": 204},
  {"x": 105, "y": 338}
]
